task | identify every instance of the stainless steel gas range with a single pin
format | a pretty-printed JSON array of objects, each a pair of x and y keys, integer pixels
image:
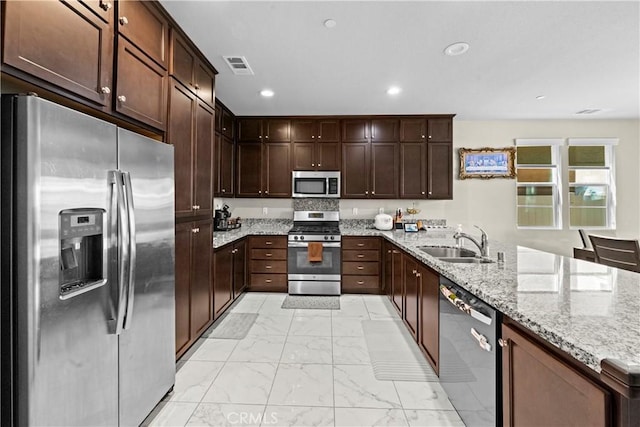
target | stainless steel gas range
[{"x": 314, "y": 253}]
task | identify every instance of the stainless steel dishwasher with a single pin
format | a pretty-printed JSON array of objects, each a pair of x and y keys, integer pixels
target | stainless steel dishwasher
[{"x": 470, "y": 359}]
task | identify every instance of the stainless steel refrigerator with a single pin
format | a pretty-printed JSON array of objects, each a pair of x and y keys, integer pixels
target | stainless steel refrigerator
[{"x": 87, "y": 268}]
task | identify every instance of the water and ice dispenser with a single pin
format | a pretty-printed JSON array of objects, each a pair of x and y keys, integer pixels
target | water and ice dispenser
[{"x": 83, "y": 262}]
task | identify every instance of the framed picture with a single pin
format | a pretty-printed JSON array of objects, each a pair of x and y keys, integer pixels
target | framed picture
[
  {"x": 487, "y": 162},
  {"x": 410, "y": 227}
]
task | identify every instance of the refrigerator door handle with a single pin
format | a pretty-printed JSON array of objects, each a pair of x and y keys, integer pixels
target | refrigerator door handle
[
  {"x": 132, "y": 249},
  {"x": 122, "y": 236}
]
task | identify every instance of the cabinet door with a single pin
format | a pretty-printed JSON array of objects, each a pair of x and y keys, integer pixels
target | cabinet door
[
  {"x": 387, "y": 257},
  {"x": 183, "y": 61},
  {"x": 304, "y": 130},
  {"x": 217, "y": 142},
  {"x": 384, "y": 170},
  {"x": 329, "y": 130},
  {"x": 203, "y": 174},
  {"x": 397, "y": 281},
  {"x": 277, "y": 130},
  {"x": 355, "y": 170},
  {"x": 413, "y": 130},
  {"x": 440, "y": 130},
  {"x": 249, "y": 130},
  {"x": 222, "y": 279},
  {"x": 226, "y": 167},
  {"x": 277, "y": 169},
  {"x": 183, "y": 285},
  {"x": 429, "y": 329},
  {"x": 218, "y": 117},
  {"x": 539, "y": 389},
  {"x": 384, "y": 130},
  {"x": 180, "y": 135},
  {"x": 304, "y": 156},
  {"x": 249, "y": 170},
  {"x": 239, "y": 268},
  {"x": 355, "y": 130},
  {"x": 328, "y": 156},
  {"x": 63, "y": 43},
  {"x": 205, "y": 83},
  {"x": 201, "y": 289},
  {"x": 439, "y": 170},
  {"x": 413, "y": 170},
  {"x": 141, "y": 90},
  {"x": 227, "y": 124},
  {"x": 143, "y": 25},
  {"x": 411, "y": 295}
]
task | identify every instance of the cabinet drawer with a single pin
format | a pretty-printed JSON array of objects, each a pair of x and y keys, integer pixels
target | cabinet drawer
[
  {"x": 268, "y": 242},
  {"x": 266, "y": 266},
  {"x": 268, "y": 280},
  {"x": 360, "y": 282},
  {"x": 361, "y": 243},
  {"x": 364, "y": 255},
  {"x": 361, "y": 268},
  {"x": 274, "y": 254}
]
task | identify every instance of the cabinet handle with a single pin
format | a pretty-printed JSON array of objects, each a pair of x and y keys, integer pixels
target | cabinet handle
[
  {"x": 105, "y": 90},
  {"x": 122, "y": 99},
  {"x": 360, "y": 256},
  {"x": 259, "y": 191},
  {"x": 360, "y": 267},
  {"x": 267, "y": 281},
  {"x": 268, "y": 267},
  {"x": 268, "y": 255},
  {"x": 396, "y": 252},
  {"x": 223, "y": 190},
  {"x": 312, "y": 137},
  {"x": 224, "y": 128},
  {"x": 503, "y": 343},
  {"x": 268, "y": 243},
  {"x": 105, "y": 5},
  {"x": 313, "y": 164},
  {"x": 266, "y": 192},
  {"x": 197, "y": 87},
  {"x": 389, "y": 251},
  {"x": 422, "y": 192},
  {"x": 422, "y": 136},
  {"x": 319, "y": 136},
  {"x": 429, "y": 192},
  {"x": 429, "y": 136},
  {"x": 360, "y": 245},
  {"x": 319, "y": 165},
  {"x": 123, "y": 20},
  {"x": 267, "y": 137},
  {"x": 366, "y": 192},
  {"x": 195, "y": 230},
  {"x": 415, "y": 271},
  {"x": 373, "y": 192},
  {"x": 418, "y": 275},
  {"x": 260, "y": 137},
  {"x": 360, "y": 282}
]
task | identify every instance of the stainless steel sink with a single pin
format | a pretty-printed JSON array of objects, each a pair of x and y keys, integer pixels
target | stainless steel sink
[
  {"x": 444, "y": 252},
  {"x": 467, "y": 260}
]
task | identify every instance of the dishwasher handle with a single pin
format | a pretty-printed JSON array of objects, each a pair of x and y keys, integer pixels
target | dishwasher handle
[
  {"x": 463, "y": 306},
  {"x": 483, "y": 342}
]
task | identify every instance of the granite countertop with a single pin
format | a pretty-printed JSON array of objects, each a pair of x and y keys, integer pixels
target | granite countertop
[{"x": 588, "y": 310}]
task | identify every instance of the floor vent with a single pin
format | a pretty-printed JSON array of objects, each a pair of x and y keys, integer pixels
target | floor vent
[{"x": 238, "y": 65}]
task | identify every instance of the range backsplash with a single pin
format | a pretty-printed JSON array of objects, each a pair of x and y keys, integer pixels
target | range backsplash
[{"x": 316, "y": 204}]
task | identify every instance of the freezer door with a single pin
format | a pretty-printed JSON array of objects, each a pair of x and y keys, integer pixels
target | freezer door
[
  {"x": 147, "y": 345},
  {"x": 66, "y": 365}
]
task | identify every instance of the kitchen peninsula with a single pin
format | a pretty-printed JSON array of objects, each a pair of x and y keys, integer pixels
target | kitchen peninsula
[{"x": 584, "y": 317}]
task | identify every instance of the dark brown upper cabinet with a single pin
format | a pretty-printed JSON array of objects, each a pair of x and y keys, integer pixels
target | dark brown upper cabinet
[
  {"x": 384, "y": 130},
  {"x": 356, "y": 168},
  {"x": 225, "y": 167},
  {"x": 440, "y": 170},
  {"x": 190, "y": 70},
  {"x": 249, "y": 170},
  {"x": 226, "y": 123},
  {"x": 66, "y": 44},
  {"x": 440, "y": 130},
  {"x": 413, "y": 130},
  {"x": 413, "y": 170},
  {"x": 263, "y": 170},
  {"x": 143, "y": 25},
  {"x": 355, "y": 130},
  {"x": 316, "y": 144},
  {"x": 384, "y": 170},
  {"x": 267, "y": 130}
]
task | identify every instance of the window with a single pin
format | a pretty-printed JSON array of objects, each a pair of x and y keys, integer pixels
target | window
[
  {"x": 538, "y": 184},
  {"x": 591, "y": 183}
]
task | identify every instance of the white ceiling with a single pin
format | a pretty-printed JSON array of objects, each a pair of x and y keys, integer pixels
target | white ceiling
[{"x": 579, "y": 55}]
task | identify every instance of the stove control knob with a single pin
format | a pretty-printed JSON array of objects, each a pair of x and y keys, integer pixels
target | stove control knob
[
  {"x": 295, "y": 237},
  {"x": 332, "y": 238},
  {"x": 326, "y": 238},
  {"x": 301, "y": 237}
]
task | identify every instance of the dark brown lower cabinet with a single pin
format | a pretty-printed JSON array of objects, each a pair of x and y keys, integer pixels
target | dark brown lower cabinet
[
  {"x": 410, "y": 295},
  {"x": 267, "y": 271},
  {"x": 387, "y": 268},
  {"x": 397, "y": 285},
  {"x": 429, "y": 317},
  {"x": 540, "y": 389},
  {"x": 228, "y": 275},
  {"x": 193, "y": 290},
  {"x": 361, "y": 265}
]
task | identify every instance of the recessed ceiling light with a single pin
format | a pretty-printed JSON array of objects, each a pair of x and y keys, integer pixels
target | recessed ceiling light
[
  {"x": 267, "y": 93},
  {"x": 393, "y": 90},
  {"x": 540, "y": 97},
  {"x": 456, "y": 49},
  {"x": 330, "y": 23}
]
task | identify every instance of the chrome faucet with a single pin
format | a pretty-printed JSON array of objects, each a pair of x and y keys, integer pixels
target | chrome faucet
[{"x": 483, "y": 245}]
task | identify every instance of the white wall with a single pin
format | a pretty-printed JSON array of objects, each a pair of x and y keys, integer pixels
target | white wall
[{"x": 491, "y": 203}]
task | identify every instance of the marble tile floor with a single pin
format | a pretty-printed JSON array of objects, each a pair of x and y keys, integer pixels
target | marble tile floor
[{"x": 298, "y": 368}]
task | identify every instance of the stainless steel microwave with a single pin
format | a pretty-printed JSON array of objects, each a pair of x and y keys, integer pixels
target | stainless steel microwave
[{"x": 315, "y": 184}]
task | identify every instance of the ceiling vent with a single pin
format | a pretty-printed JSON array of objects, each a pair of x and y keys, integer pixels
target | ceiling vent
[
  {"x": 589, "y": 111},
  {"x": 238, "y": 65}
]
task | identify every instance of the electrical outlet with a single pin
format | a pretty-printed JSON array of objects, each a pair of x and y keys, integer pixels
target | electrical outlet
[
  {"x": 354, "y": 211},
  {"x": 265, "y": 211}
]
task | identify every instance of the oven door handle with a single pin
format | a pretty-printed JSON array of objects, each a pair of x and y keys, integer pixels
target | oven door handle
[{"x": 306, "y": 244}]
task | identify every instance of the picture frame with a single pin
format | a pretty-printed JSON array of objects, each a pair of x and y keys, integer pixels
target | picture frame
[
  {"x": 410, "y": 227},
  {"x": 487, "y": 163}
]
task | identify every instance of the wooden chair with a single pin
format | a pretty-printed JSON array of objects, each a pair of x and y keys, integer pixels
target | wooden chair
[{"x": 619, "y": 253}]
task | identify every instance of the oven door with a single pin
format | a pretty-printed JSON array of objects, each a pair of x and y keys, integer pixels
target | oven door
[{"x": 300, "y": 268}]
